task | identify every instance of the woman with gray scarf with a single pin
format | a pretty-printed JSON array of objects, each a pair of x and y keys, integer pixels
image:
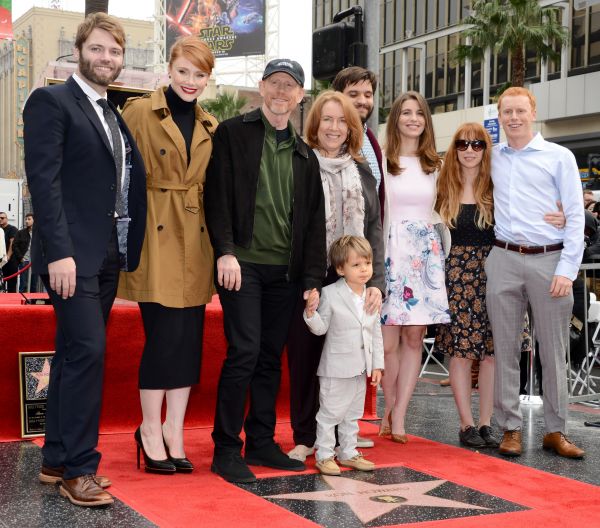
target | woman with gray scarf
[{"x": 335, "y": 132}]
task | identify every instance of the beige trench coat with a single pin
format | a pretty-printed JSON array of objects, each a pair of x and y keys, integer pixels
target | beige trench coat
[{"x": 176, "y": 265}]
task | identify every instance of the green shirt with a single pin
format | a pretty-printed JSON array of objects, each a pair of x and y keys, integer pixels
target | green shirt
[{"x": 272, "y": 232}]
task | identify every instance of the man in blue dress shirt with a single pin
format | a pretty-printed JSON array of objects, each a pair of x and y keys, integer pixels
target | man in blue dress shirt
[{"x": 532, "y": 262}]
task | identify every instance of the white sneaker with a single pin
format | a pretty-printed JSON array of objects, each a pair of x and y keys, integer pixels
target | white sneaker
[
  {"x": 300, "y": 452},
  {"x": 364, "y": 442}
]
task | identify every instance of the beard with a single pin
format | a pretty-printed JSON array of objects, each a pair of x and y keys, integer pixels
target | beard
[
  {"x": 365, "y": 119},
  {"x": 86, "y": 69}
]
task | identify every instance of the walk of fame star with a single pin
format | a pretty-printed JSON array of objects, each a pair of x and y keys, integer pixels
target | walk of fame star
[
  {"x": 388, "y": 496},
  {"x": 369, "y": 501},
  {"x": 43, "y": 377}
]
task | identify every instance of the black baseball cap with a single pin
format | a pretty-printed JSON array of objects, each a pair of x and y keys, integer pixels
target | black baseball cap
[{"x": 288, "y": 66}]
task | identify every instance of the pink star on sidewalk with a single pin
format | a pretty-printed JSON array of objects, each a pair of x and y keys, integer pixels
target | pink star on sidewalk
[{"x": 369, "y": 501}]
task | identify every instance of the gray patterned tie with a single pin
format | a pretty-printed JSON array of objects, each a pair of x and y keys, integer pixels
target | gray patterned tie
[{"x": 115, "y": 132}]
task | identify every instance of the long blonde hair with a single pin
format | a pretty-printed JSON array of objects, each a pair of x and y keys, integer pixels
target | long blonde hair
[
  {"x": 428, "y": 156},
  {"x": 450, "y": 184}
]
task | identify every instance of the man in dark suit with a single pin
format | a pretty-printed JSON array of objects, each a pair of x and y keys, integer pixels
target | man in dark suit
[{"x": 87, "y": 183}]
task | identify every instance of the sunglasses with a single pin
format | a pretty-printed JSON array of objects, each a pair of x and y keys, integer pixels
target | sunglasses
[{"x": 476, "y": 144}]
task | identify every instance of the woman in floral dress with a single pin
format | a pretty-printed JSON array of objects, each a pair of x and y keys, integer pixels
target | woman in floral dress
[{"x": 414, "y": 255}]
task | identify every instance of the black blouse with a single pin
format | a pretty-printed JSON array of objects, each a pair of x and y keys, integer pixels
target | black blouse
[{"x": 466, "y": 232}]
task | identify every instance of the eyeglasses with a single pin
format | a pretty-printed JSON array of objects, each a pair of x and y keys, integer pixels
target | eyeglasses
[{"x": 476, "y": 144}]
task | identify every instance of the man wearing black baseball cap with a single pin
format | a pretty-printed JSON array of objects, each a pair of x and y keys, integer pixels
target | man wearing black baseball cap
[
  {"x": 265, "y": 216},
  {"x": 285, "y": 66}
]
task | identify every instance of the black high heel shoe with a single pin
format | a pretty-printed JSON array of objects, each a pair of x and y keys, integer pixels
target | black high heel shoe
[
  {"x": 164, "y": 467},
  {"x": 182, "y": 465}
]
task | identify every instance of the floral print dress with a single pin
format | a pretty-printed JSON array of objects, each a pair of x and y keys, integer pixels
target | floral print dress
[
  {"x": 469, "y": 334},
  {"x": 414, "y": 260}
]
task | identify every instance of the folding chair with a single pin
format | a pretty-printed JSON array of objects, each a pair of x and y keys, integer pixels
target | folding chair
[
  {"x": 428, "y": 343},
  {"x": 583, "y": 376}
]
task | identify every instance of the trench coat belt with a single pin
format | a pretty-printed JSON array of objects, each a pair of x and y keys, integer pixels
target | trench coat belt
[{"x": 192, "y": 192}]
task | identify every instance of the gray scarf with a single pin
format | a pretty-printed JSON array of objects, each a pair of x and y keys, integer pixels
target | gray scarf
[{"x": 344, "y": 169}]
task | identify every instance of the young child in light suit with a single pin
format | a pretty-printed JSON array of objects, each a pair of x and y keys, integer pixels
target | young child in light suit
[{"x": 353, "y": 350}]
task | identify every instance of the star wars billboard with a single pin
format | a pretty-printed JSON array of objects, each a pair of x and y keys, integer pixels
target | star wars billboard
[{"x": 231, "y": 28}]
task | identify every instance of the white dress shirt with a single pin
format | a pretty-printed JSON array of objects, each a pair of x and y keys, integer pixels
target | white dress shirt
[
  {"x": 359, "y": 300},
  {"x": 527, "y": 184},
  {"x": 93, "y": 96}
]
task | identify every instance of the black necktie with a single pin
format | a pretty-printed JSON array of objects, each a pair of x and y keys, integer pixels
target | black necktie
[{"x": 115, "y": 132}]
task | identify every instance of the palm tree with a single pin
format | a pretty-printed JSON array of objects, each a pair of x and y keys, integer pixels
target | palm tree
[
  {"x": 514, "y": 26},
  {"x": 96, "y": 6},
  {"x": 225, "y": 106}
]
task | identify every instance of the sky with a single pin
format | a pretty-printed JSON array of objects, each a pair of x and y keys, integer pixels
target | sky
[{"x": 295, "y": 22}]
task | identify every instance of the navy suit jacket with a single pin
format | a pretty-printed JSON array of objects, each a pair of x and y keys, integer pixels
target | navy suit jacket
[{"x": 72, "y": 179}]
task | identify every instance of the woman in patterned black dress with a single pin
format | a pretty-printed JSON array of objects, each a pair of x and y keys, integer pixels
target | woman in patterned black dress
[{"x": 465, "y": 205}]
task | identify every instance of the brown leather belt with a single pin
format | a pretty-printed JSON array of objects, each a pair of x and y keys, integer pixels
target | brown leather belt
[{"x": 527, "y": 250}]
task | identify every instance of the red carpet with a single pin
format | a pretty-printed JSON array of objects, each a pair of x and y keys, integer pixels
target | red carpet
[
  {"x": 203, "y": 499},
  {"x": 32, "y": 328}
]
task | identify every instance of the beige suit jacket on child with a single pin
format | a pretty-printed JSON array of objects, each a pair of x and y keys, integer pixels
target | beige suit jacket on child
[{"x": 352, "y": 343}]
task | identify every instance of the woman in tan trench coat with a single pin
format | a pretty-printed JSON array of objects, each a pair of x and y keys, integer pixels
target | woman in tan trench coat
[{"x": 174, "y": 280}]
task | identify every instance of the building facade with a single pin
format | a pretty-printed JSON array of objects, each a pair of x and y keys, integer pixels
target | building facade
[
  {"x": 42, "y": 49},
  {"x": 568, "y": 107}
]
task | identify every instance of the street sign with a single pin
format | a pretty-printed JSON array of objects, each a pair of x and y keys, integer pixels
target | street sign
[
  {"x": 490, "y": 122},
  {"x": 493, "y": 128}
]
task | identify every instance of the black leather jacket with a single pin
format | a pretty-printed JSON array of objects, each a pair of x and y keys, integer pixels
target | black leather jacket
[
  {"x": 21, "y": 244},
  {"x": 230, "y": 197}
]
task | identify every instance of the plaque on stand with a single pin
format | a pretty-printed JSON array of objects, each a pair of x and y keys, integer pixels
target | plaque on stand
[{"x": 34, "y": 377}]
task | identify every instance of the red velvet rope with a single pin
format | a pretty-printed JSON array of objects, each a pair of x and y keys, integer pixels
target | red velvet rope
[{"x": 18, "y": 273}]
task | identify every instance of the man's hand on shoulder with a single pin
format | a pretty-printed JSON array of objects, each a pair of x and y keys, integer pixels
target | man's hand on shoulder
[
  {"x": 561, "y": 286},
  {"x": 62, "y": 277}
]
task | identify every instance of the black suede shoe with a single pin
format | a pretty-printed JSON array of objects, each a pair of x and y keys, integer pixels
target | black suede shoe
[
  {"x": 470, "y": 437},
  {"x": 232, "y": 468},
  {"x": 272, "y": 456},
  {"x": 487, "y": 433}
]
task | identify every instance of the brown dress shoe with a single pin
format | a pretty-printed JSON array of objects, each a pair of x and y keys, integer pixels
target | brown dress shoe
[
  {"x": 511, "y": 443},
  {"x": 562, "y": 445},
  {"x": 50, "y": 475},
  {"x": 399, "y": 438},
  {"x": 85, "y": 491},
  {"x": 445, "y": 382}
]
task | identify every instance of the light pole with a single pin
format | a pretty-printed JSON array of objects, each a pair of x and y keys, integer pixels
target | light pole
[{"x": 372, "y": 42}]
